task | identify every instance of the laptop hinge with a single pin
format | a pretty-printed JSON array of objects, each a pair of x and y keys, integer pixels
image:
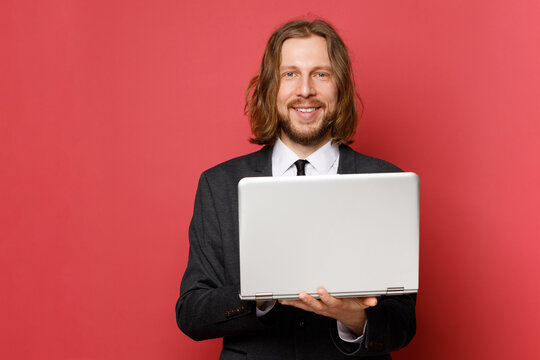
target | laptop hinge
[
  {"x": 264, "y": 296},
  {"x": 395, "y": 290}
]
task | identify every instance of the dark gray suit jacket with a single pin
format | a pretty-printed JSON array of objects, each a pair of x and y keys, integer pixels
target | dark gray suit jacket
[{"x": 209, "y": 305}]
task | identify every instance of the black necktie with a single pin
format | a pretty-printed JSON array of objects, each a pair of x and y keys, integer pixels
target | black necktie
[{"x": 300, "y": 167}]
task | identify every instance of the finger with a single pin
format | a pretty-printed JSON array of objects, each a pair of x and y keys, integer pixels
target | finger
[
  {"x": 368, "y": 301},
  {"x": 328, "y": 299},
  {"x": 297, "y": 304},
  {"x": 288, "y": 302},
  {"x": 311, "y": 302}
]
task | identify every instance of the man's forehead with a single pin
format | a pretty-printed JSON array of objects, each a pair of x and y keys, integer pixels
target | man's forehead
[{"x": 310, "y": 50}]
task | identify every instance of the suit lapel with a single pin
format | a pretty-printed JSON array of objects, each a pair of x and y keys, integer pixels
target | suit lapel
[
  {"x": 346, "y": 165},
  {"x": 263, "y": 162}
]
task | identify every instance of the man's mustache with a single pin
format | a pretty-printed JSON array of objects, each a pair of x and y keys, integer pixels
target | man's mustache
[{"x": 303, "y": 103}]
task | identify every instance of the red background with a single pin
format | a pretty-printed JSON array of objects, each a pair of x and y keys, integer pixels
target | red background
[{"x": 110, "y": 110}]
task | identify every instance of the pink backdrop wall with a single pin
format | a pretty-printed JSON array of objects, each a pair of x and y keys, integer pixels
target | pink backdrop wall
[{"x": 110, "y": 110}]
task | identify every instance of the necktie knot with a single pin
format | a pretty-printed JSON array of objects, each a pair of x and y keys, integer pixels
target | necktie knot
[{"x": 300, "y": 167}]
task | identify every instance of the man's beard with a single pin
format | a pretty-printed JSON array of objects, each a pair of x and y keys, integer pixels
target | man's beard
[{"x": 312, "y": 137}]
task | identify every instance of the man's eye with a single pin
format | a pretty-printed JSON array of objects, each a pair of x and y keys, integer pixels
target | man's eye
[
  {"x": 288, "y": 74},
  {"x": 322, "y": 75}
]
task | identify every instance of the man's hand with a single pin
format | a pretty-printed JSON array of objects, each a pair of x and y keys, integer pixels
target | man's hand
[{"x": 349, "y": 311}]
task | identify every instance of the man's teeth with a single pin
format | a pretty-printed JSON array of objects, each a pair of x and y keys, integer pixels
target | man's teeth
[{"x": 304, "y": 110}]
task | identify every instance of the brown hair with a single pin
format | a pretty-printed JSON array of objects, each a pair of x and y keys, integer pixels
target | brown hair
[{"x": 261, "y": 93}]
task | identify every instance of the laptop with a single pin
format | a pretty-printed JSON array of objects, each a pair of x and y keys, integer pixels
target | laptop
[{"x": 355, "y": 235}]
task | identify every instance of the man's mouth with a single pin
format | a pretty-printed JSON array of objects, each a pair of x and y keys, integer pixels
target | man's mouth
[{"x": 306, "y": 110}]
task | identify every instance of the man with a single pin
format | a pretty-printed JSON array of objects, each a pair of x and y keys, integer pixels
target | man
[{"x": 302, "y": 107}]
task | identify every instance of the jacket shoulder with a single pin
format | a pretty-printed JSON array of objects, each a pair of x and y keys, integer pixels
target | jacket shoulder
[
  {"x": 253, "y": 164},
  {"x": 367, "y": 164}
]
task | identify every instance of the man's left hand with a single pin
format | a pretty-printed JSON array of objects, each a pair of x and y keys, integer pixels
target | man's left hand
[{"x": 349, "y": 311}]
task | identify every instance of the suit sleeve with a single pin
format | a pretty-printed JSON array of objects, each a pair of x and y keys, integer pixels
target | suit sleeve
[{"x": 208, "y": 306}]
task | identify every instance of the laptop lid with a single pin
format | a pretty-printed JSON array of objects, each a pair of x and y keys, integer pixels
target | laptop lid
[{"x": 354, "y": 235}]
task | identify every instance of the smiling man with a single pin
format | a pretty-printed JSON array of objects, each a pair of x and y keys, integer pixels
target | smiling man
[{"x": 302, "y": 108}]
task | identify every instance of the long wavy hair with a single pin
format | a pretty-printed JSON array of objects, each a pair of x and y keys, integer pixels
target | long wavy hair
[{"x": 262, "y": 90}]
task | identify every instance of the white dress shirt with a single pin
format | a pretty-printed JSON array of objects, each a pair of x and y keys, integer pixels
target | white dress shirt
[{"x": 324, "y": 161}]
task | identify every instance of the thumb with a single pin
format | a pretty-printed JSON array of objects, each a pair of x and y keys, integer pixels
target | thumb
[{"x": 369, "y": 301}]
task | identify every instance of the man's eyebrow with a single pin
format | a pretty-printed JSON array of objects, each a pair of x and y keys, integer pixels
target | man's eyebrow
[
  {"x": 288, "y": 67},
  {"x": 324, "y": 67},
  {"x": 293, "y": 67}
]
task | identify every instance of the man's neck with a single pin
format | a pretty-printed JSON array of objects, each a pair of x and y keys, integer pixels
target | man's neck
[{"x": 303, "y": 151}]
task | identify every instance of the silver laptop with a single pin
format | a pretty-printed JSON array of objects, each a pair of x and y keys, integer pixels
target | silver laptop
[{"x": 355, "y": 235}]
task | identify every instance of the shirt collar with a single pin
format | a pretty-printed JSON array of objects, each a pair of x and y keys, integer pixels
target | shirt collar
[
  {"x": 325, "y": 156},
  {"x": 322, "y": 159}
]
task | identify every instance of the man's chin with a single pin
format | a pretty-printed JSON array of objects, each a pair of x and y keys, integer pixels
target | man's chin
[
  {"x": 306, "y": 138},
  {"x": 305, "y": 133}
]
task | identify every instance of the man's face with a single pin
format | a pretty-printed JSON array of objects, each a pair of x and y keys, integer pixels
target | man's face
[{"x": 307, "y": 95}]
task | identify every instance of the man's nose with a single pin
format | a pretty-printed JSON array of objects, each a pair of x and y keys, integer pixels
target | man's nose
[{"x": 306, "y": 87}]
